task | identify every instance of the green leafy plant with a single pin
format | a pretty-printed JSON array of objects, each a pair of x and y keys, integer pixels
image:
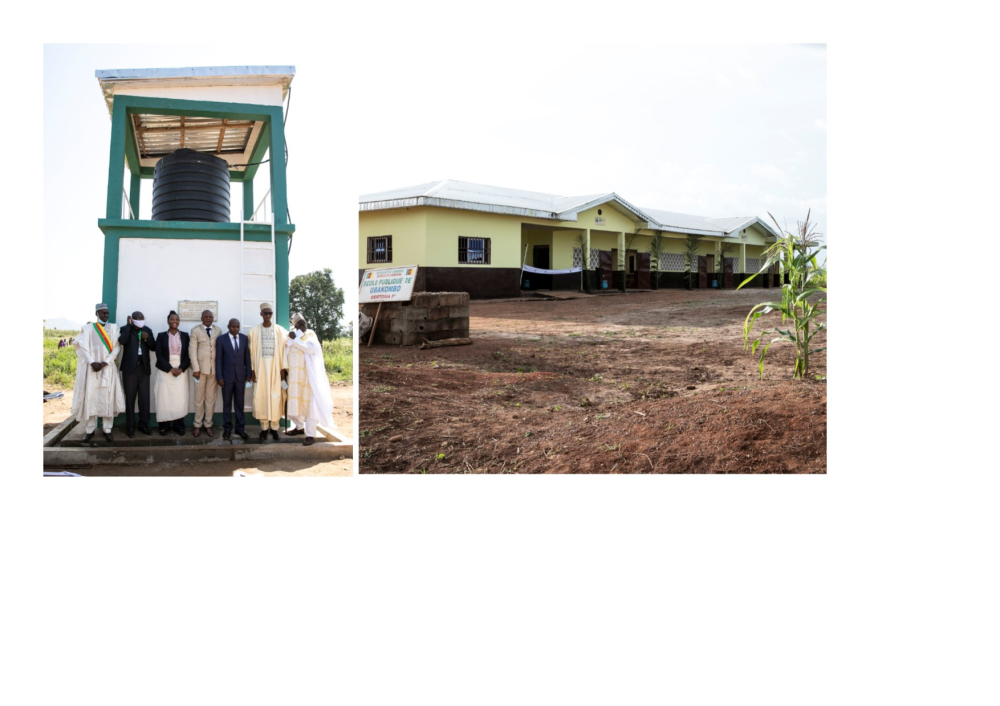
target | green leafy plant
[
  {"x": 802, "y": 299},
  {"x": 655, "y": 252},
  {"x": 691, "y": 246},
  {"x": 584, "y": 263},
  {"x": 320, "y": 301}
]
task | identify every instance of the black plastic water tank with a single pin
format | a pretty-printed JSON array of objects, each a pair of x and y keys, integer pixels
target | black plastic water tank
[{"x": 191, "y": 186}]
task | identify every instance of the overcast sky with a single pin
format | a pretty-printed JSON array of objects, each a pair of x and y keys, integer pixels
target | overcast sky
[
  {"x": 720, "y": 130},
  {"x": 712, "y": 130}
]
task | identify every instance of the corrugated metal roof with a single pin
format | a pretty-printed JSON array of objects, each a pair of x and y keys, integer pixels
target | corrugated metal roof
[
  {"x": 159, "y": 135},
  {"x": 495, "y": 199}
]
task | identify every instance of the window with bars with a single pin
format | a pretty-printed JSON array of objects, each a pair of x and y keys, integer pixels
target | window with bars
[
  {"x": 473, "y": 251},
  {"x": 380, "y": 248}
]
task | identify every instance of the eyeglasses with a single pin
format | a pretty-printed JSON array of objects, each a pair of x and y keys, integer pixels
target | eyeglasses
[{"x": 266, "y": 313}]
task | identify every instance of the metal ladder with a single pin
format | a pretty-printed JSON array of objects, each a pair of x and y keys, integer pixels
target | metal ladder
[{"x": 258, "y": 284}]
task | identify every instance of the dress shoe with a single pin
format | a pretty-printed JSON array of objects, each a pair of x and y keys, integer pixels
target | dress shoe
[
  {"x": 263, "y": 435},
  {"x": 309, "y": 441},
  {"x": 145, "y": 430},
  {"x": 163, "y": 432},
  {"x": 130, "y": 433},
  {"x": 108, "y": 437},
  {"x": 274, "y": 434},
  {"x": 243, "y": 435},
  {"x": 226, "y": 435},
  {"x": 294, "y": 432},
  {"x": 196, "y": 432},
  {"x": 180, "y": 432},
  {"x": 88, "y": 437},
  {"x": 208, "y": 430}
]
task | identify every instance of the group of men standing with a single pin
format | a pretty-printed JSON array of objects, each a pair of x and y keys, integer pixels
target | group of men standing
[{"x": 114, "y": 370}]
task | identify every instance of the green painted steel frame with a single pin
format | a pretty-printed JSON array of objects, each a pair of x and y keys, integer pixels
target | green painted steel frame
[{"x": 271, "y": 137}]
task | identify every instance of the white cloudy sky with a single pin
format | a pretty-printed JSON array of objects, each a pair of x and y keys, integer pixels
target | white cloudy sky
[
  {"x": 715, "y": 130},
  {"x": 710, "y": 130}
]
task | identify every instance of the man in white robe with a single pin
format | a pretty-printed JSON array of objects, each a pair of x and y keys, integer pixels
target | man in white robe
[
  {"x": 309, "y": 401},
  {"x": 267, "y": 356},
  {"x": 98, "y": 389}
]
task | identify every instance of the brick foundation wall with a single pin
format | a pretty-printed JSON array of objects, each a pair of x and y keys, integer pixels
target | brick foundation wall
[{"x": 430, "y": 315}]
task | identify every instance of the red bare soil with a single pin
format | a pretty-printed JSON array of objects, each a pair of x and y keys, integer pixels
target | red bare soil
[{"x": 640, "y": 383}]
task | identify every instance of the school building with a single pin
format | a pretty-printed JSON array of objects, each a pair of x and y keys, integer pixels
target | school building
[{"x": 475, "y": 238}]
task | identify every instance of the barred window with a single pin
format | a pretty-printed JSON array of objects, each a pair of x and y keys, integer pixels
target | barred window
[
  {"x": 380, "y": 248},
  {"x": 473, "y": 251}
]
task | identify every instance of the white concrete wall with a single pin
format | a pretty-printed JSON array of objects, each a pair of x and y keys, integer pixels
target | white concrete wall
[
  {"x": 258, "y": 95},
  {"x": 155, "y": 274}
]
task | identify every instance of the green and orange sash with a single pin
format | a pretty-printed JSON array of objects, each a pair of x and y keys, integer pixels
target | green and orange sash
[{"x": 103, "y": 335}]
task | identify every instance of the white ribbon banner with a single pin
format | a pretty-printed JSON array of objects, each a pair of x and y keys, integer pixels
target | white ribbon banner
[{"x": 540, "y": 271}]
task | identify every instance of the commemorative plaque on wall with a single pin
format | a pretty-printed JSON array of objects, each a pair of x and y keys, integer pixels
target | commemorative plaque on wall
[{"x": 191, "y": 310}]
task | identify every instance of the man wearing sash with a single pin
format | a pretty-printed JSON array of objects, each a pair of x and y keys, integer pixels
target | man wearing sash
[
  {"x": 98, "y": 388},
  {"x": 267, "y": 356},
  {"x": 309, "y": 401}
]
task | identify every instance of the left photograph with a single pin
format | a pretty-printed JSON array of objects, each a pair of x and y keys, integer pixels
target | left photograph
[{"x": 192, "y": 329}]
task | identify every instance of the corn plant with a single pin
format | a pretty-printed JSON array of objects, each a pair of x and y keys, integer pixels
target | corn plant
[{"x": 802, "y": 298}]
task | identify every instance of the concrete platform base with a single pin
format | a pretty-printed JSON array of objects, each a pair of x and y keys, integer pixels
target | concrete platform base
[{"x": 70, "y": 450}]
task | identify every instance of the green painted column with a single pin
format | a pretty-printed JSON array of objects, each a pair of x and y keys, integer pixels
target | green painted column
[
  {"x": 743, "y": 258},
  {"x": 586, "y": 261},
  {"x": 248, "y": 203},
  {"x": 116, "y": 163},
  {"x": 281, "y": 279},
  {"x": 133, "y": 193},
  {"x": 109, "y": 290},
  {"x": 279, "y": 194}
]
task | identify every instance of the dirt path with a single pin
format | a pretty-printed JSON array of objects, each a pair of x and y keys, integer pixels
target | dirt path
[
  {"x": 343, "y": 416},
  {"x": 653, "y": 382}
]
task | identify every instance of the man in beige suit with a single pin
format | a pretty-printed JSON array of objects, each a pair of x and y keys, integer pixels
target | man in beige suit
[{"x": 202, "y": 353}]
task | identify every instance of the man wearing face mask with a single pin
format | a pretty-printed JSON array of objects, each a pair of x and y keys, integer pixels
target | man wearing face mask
[
  {"x": 137, "y": 343},
  {"x": 98, "y": 388},
  {"x": 201, "y": 350}
]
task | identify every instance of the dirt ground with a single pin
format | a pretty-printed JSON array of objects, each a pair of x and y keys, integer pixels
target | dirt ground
[
  {"x": 636, "y": 383},
  {"x": 343, "y": 416}
]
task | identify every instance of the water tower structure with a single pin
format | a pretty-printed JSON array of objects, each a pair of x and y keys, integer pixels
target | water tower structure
[{"x": 180, "y": 138}]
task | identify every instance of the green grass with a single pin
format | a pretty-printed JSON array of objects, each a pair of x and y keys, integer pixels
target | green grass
[
  {"x": 58, "y": 366},
  {"x": 338, "y": 356}
]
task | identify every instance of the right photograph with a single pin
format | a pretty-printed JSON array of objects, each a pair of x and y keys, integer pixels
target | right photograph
[{"x": 507, "y": 330}]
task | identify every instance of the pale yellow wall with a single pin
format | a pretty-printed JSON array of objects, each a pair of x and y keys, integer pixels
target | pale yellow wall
[
  {"x": 755, "y": 236},
  {"x": 408, "y": 228},
  {"x": 602, "y": 240},
  {"x": 613, "y": 220},
  {"x": 532, "y": 237},
  {"x": 445, "y": 225},
  {"x": 563, "y": 242},
  {"x": 429, "y": 236}
]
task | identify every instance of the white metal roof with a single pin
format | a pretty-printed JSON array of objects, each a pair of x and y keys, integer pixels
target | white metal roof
[{"x": 495, "y": 199}]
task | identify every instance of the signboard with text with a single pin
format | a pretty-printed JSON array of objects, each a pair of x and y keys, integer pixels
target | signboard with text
[
  {"x": 389, "y": 284},
  {"x": 191, "y": 310}
]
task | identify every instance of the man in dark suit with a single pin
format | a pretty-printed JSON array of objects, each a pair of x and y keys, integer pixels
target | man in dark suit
[
  {"x": 232, "y": 370},
  {"x": 136, "y": 340}
]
